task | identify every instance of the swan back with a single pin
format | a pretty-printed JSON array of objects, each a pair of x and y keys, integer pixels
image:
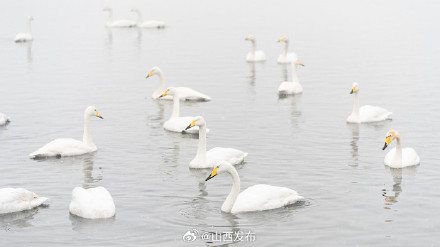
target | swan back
[
  {"x": 18, "y": 199},
  {"x": 92, "y": 203},
  {"x": 4, "y": 119}
]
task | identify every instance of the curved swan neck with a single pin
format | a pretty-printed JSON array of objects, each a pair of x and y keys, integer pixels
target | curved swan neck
[
  {"x": 355, "y": 111},
  {"x": 87, "y": 136},
  {"x": 254, "y": 46},
  {"x": 294, "y": 75},
  {"x": 201, "y": 149},
  {"x": 162, "y": 80},
  {"x": 110, "y": 16},
  {"x": 286, "y": 47},
  {"x": 28, "y": 26},
  {"x": 139, "y": 21},
  {"x": 398, "y": 155},
  {"x": 176, "y": 106},
  {"x": 232, "y": 197}
]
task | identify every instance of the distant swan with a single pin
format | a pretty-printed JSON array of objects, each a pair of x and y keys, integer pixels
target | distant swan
[
  {"x": 177, "y": 123},
  {"x": 118, "y": 23},
  {"x": 185, "y": 93},
  {"x": 70, "y": 147},
  {"x": 286, "y": 56},
  {"x": 291, "y": 87},
  {"x": 208, "y": 159},
  {"x": 27, "y": 36},
  {"x": 255, "y": 198},
  {"x": 18, "y": 199},
  {"x": 4, "y": 119},
  {"x": 254, "y": 55},
  {"x": 366, "y": 113},
  {"x": 93, "y": 203},
  {"x": 398, "y": 157},
  {"x": 148, "y": 24}
]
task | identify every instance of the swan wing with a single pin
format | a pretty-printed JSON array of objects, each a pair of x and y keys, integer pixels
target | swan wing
[
  {"x": 4, "y": 119},
  {"x": 23, "y": 37},
  {"x": 153, "y": 24},
  {"x": 410, "y": 157},
  {"x": 370, "y": 113},
  {"x": 179, "y": 124},
  {"x": 92, "y": 203},
  {"x": 289, "y": 87},
  {"x": 18, "y": 199},
  {"x": 289, "y": 57},
  {"x": 187, "y": 93},
  {"x": 264, "y": 197},
  {"x": 122, "y": 23},
  {"x": 62, "y": 147},
  {"x": 232, "y": 155}
]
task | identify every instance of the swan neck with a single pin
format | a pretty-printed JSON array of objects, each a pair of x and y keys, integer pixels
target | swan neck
[
  {"x": 110, "y": 16},
  {"x": 254, "y": 46},
  {"x": 139, "y": 21},
  {"x": 232, "y": 197},
  {"x": 294, "y": 75},
  {"x": 356, "y": 105},
  {"x": 87, "y": 136},
  {"x": 398, "y": 155},
  {"x": 201, "y": 149},
  {"x": 286, "y": 47},
  {"x": 162, "y": 81},
  {"x": 28, "y": 26},
  {"x": 176, "y": 106}
]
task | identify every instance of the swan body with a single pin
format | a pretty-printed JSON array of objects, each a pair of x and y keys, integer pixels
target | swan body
[
  {"x": 93, "y": 203},
  {"x": 209, "y": 159},
  {"x": 286, "y": 56},
  {"x": 258, "y": 197},
  {"x": 177, "y": 123},
  {"x": 185, "y": 93},
  {"x": 367, "y": 113},
  {"x": 399, "y": 157},
  {"x": 291, "y": 87},
  {"x": 18, "y": 199},
  {"x": 147, "y": 24},
  {"x": 70, "y": 147},
  {"x": 4, "y": 119},
  {"x": 254, "y": 55},
  {"x": 27, "y": 36},
  {"x": 118, "y": 23}
]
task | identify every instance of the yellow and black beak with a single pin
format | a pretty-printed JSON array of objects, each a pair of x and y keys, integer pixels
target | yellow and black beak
[
  {"x": 97, "y": 115},
  {"x": 299, "y": 62},
  {"x": 248, "y": 38},
  {"x": 353, "y": 90},
  {"x": 164, "y": 94},
  {"x": 281, "y": 40},
  {"x": 191, "y": 125},
  {"x": 387, "y": 141},
  {"x": 213, "y": 174},
  {"x": 149, "y": 74}
]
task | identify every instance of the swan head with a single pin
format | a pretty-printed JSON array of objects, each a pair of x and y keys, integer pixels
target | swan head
[
  {"x": 354, "y": 88},
  {"x": 154, "y": 71},
  {"x": 297, "y": 62},
  {"x": 30, "y": 18},
  {"x": 170, "y": 91},
  {"x": 250, "y": 38},
  {"x": 283, "y": 39},
  {"x": 91, "y": 111},
  {"x": 198, "y": 121},
  {"x": 391, "y": 135},
  {"x": 221, "y": 167}
]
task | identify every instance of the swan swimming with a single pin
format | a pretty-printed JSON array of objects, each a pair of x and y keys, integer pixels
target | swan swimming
[
  {"x": 399, "y": 157},
  {"x": 177, "y": 123},
  {"x": 366, "y": 113},
  {"x": 254, "y": 55},
  {"x": 93, "y": 203},
  {"x": 291, "y": 87},
  {"x": 70, "y": 147},
  {"x": 208, "y": 159},
  {"x": 4, "y": 119},
  {"x": 27, "y": 36},
  {"x": 18, "y": 199},
  {"x": 255, "y": 198},
  {"x": 118, "y": 23},
  {"x": 286, "y": 56},
  {"x": 185, "y": 93},
  {"x": 147, "y": 24}
]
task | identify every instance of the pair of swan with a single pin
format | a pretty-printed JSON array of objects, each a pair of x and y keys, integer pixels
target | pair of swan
[
  {"x": 367, "y": 113},
  {"x": 177, "y": 123},
  {"x": 70, "y": 147},
  {"x": 18, "y": 199},
  {"x": 399, "y": 157},
  {"x": 208, "y": 159},
  {"x": 185, "y": 93},
  {"x": 130, "y": 23},
  {"x": 93, "y": 203},
  {"x": 257, "y": 55},
  {"x": 255, "y": 198},
  {"x": 27, "y": 36},
  {"x": 4, "y": 119},
  {"x": 291, "y": 87}
]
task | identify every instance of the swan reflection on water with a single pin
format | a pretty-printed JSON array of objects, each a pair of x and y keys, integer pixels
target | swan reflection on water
[{"x": 397, "y": 174}]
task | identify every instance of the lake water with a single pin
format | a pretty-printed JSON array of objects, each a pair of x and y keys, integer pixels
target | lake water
[{"x": 389, "y": 47}]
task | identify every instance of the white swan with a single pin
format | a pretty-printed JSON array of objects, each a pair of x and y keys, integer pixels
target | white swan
[
  {"x": 147, "y": 24},
  {"x": 291, "y": 87},
  {"x": 209, "y": 159},
  {"x": 4, "y": 119},
  {"x": 185, "y": 93},
  {"x": 177, "y": 123},
  {"x": 18, "y": 199},
  {"x": 254, "y": 55},
  {"x": 118, "y": 23},
  {"x": 70, "y": 147},
  {"x": 93, "y": 203},
  {"x": 366, "y": 113},
  {"x": 286, "y": 56},
  {"x": 255, "y": 198},
  {"x": 27, "y": 36},
  {"x": 398, "y": 157}
]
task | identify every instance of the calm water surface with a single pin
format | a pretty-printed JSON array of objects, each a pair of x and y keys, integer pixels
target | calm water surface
[{"x": 302, "y": 142}]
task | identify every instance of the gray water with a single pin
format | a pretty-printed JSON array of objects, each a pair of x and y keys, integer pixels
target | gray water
[{"x": 389, "y": 47}]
